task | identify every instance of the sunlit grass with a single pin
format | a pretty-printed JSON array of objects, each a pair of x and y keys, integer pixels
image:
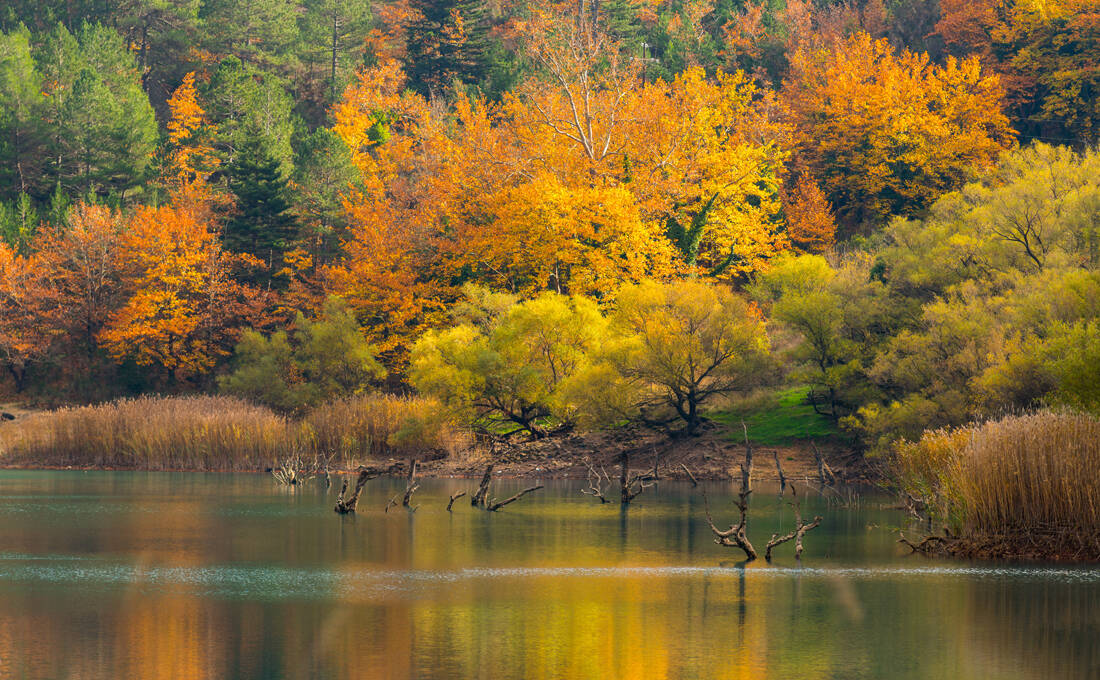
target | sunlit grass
[{"x": 776, "y": 418}]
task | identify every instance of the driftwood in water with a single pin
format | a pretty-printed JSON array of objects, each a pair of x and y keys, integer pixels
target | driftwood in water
[
  {"x": 929, "y": 544},
  {"x": 824, "y": 472},
  {"x": 478, "y": 499},
  {"x": 345, "y": 504},
  {"x": 596, "y": 481},
  {"x": 735, "y": 537},
  {"x": 493, "y": 506},
  {"x": 454, "y": 497},
  {"x": 779, "y": 469},
  {"x": 694, "y": 482},
  {"x": 800, "y": 529},
  {"x": 410, "y": 488},
  {"x": 632, "y": 485}
]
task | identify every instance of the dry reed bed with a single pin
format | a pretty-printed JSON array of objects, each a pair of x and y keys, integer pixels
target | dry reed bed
[
  {"x": 1025, "y": 480},
  {"x": 379, "y": 425},
  {"x": 222, "y": 433}
]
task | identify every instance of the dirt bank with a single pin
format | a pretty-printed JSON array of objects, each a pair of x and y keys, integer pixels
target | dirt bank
[{"x": 712, "y": 455}]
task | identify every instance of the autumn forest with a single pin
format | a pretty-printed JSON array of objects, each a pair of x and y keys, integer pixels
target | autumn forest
[
  {"x": 541, "y": 217},
  {"x": 493, "y": 339}
]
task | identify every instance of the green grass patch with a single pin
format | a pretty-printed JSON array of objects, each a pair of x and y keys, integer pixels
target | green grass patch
[{"x": 776, "y": 418}]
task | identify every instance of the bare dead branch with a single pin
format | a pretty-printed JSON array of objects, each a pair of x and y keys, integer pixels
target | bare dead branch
[
  {"x": 824, "y": 472},
  {"x": 779, "y": 469},
  {"x": 596, "y": 481},
  {"x": 735, "y": 536},
  {"x": 497, "y": 505},
  {"x": 410, "y": 484},
  {"x": 454, "y": 497},
  {"x": 800, "y": 529},
  {"x": 694, "y": 482},
  {"x": 630, "y": 486},
  {"x": 748, "y": 452}
]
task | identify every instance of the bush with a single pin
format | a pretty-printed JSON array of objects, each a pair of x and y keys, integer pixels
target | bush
[
  {"x": 511, "y": 364},
  {"x": 323, "y": 359},
  {"x": 671, "y": 349}
]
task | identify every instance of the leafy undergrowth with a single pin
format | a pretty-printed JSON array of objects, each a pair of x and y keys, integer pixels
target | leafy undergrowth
[{"x": 777, "y": 418}]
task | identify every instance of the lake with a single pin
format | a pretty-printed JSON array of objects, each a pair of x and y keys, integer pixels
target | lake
[{"x": 181, "y": 575}]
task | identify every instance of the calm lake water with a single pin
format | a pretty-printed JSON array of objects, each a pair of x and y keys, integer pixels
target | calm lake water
[{"x": 163, "y": 575}]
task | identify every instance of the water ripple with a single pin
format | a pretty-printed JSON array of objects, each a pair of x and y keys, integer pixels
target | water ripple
[{"x": 279, "y": 582}]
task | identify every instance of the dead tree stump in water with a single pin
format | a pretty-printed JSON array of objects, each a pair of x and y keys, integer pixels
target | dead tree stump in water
[
  {"x": 478, "y": 499},
  {"x": 481, "y": 498},
  {"x": 596, "y": 481},
  {"x": 410, "y": 488},
  {"x": 347, "y": 505},
  {"x": 632, "y": 485},
  {"x": 735, "y": 536},
  {"x": 800, "y": 529}
]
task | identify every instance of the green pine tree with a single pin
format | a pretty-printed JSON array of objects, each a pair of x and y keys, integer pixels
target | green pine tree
[
  {"x": 247, "y": 106},
  {"x": 102, "y": 128},
  {"x": 262, "y": 225},
  {"x": 333, "y": 33},
  {"x": 22, "y": 131},
  {"x": 447, "y": 41}
]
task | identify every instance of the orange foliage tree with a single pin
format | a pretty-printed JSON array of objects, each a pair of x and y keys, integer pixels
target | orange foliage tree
[
  {"x": 57, "y": 298},
  {"x": 811, "y": 226},
  {"x": 584, "y": 179},
  {"x": 887, "y": 133},
  {"x": 183, "y": 311}
]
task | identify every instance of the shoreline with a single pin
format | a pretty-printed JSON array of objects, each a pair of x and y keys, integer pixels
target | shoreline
[{"x": 710, "y": 456}]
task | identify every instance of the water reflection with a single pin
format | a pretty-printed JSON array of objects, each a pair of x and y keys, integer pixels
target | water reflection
[{"x": 116, "y": 575}]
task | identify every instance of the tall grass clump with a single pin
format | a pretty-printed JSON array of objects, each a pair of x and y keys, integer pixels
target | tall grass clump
[
  {"x": 152, "y": 433},
  {"x": 379, "y": 425},
  {"x": 1029, "y": 478}
]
